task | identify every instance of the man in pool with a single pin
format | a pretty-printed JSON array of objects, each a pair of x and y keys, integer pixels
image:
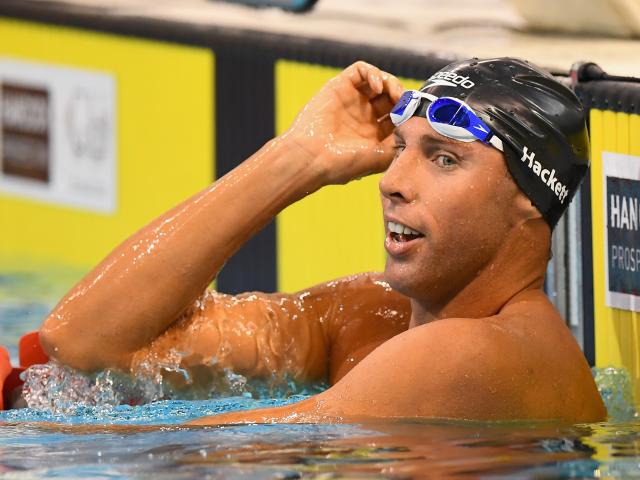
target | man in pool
[{"x": 480, "y": 164}]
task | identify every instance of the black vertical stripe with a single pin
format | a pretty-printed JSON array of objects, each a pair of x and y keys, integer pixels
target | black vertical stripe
[
  {"x": 588, "y": 324},
  {"x": 244, "y": 122}
]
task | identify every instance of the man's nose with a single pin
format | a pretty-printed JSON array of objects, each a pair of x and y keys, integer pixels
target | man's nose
[{"x": 397, "y": 182}]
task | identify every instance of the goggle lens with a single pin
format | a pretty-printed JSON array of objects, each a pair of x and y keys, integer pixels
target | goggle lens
[
  {"x": 405, "y": 108},
  {"x": 449, "y": 112},
  {"x": 400, "y": 107}
]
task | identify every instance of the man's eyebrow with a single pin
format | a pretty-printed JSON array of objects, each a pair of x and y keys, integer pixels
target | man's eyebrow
[{"x": 430, "y": 141}]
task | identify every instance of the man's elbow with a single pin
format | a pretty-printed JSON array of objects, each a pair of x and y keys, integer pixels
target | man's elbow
[{"x": 75, "y": 350}]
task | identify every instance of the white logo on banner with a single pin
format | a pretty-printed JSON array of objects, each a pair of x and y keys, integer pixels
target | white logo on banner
[
  {"x": 57, "y": 128},
  {"x": 621, "y": 205}
]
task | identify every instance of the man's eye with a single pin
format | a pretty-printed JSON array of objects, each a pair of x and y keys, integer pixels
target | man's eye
[
  {"x": 445, "y": 161},
  {"x": 398, "y": 148}
]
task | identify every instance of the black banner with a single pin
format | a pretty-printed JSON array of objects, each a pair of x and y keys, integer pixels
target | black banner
[{"x": 623, "y": 235}]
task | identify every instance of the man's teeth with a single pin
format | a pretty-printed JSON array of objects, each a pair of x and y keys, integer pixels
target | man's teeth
[{"x": 403, "y": 229}]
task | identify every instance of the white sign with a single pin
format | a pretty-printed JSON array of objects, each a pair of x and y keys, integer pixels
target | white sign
[
  {"x": 621, "y": 187},
  {"x": 57, "y": 135}
]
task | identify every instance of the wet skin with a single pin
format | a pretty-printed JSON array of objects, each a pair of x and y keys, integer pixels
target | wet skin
[{"x": 466, "y": 332}]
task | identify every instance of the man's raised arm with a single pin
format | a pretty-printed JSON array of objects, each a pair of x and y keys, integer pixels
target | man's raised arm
[{"x": 153, "y": 277}]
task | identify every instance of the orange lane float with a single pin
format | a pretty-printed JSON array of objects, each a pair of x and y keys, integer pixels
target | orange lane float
[{"x": 30, "y": 353}]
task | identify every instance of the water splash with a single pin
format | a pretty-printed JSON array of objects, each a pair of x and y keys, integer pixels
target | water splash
[
  {"x": 60, "y": 389},
  {"x": 57, "y": 388},
  {"x": 615, "y": 387}
]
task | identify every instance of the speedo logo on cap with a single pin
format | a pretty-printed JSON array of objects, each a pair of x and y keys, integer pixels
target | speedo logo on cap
[
  {"x": 450, "y": 79},
  {"x": 546, "y": 175}
]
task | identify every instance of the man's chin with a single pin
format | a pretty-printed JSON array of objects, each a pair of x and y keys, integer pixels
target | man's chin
[{"x": 399, "y": 278}]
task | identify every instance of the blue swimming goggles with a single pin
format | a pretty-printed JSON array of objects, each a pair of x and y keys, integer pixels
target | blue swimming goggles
[{"x": 448, "y": 116}]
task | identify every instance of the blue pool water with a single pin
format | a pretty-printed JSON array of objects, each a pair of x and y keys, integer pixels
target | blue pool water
[
  {"x": 89, "y": 440},
  {"x": 385, "y": 450}
]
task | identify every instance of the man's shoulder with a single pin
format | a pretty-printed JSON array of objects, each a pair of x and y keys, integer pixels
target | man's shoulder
[
  {"x": 471, "y": 368},
  {"x": 468, "y": 343},
  {"x": 355, "y": 294},
  {"x": 453, "y": 368},
  {"x": 355, "y": 282},
  {"x": 506, "y": 345},
  {"x": 511, "y": 365}
]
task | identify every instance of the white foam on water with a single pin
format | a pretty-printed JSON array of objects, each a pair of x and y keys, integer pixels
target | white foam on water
[{"x": 59, "y": 389}]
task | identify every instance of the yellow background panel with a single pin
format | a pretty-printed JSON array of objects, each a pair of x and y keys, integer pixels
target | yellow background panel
[
  {"x": 616, "y": 331},
  {"x": 164, "y": 140},
  {"x": 338, "y": 230}
]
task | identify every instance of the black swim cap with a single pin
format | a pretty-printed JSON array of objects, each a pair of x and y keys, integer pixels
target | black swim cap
[{"x": 540, "y": 121}]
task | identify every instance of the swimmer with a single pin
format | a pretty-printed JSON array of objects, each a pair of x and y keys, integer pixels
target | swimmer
[{"x": 480, "y": 164}]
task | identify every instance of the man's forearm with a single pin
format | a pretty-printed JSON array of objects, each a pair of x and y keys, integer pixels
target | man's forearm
[
  {"x": 152, "y": 277},
  {"x": 146, "y": 283}
]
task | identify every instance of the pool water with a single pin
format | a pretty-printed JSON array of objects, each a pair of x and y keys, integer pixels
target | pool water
[
  {"x": 86, "y": 441},
  {"x": 385, "y": 450}
]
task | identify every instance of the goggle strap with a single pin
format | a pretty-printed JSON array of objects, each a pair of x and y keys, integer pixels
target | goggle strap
[
  {"x": 496, "y": 142},
  {"x": 428, "y": 96}
]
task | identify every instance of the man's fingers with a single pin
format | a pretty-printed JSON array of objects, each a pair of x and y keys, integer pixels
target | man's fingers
[
  {"x": 368, "y": 79},
  {"x": 378, "y": 82},
  {"x": 369, "y": 76},
  {"x": 366, "y": 90},
  {"x": 382, "y": 105},
  {"x": 381, "y": 88},
  {"x": 392, "y": 86}
]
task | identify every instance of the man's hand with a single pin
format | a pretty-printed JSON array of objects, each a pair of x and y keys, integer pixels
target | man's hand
[{"x": 345, "y": 128}]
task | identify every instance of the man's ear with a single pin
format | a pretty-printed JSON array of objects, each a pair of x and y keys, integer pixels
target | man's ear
[
  {"x": 531, "y": 221},
  {"x": 525, "y": 209}
]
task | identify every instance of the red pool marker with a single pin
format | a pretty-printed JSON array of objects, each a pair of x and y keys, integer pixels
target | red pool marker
[
  {"x": 5, "y": 371},
  {"x": 31, "y": 353}
]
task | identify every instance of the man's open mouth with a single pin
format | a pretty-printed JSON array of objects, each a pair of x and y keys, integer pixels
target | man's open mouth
[{"x": 402, "y": 233}]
